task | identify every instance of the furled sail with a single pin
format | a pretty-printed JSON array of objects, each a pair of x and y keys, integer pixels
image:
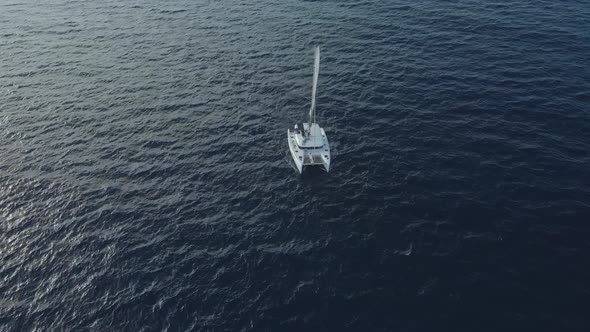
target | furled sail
[{"x": 316, "y": 74}]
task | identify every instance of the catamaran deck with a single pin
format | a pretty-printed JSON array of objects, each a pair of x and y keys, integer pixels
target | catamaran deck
[{"x": 309, "y": 149}]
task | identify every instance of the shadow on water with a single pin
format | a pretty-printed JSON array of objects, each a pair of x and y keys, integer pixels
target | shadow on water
[{"x": 314, "y": 176}]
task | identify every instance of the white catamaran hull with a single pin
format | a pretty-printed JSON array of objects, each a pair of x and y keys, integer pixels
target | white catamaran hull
[{"x": 311, "y": 150}]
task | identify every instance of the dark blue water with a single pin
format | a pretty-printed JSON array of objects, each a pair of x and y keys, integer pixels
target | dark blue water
[{"x": 145, "y": 182}]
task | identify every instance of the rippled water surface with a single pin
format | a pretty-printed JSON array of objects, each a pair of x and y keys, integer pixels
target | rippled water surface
[{"x": 145, "y": 182}]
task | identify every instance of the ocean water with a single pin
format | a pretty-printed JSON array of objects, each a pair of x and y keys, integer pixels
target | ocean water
[{"x": 145, "y": 181}]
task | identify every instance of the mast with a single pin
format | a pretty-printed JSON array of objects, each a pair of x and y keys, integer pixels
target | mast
[{"x": 316, "y": 73}]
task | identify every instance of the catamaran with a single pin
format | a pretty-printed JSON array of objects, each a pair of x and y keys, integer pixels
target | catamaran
[{"x": 308, "y": 141}]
